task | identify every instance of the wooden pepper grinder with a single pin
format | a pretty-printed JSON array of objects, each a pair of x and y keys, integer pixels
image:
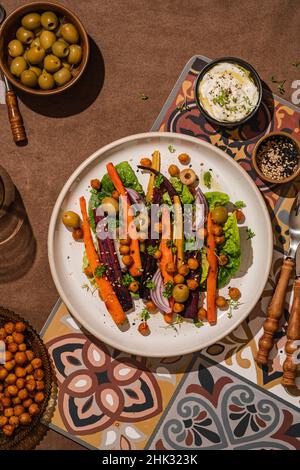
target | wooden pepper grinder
[
  {"x": 275, "y": 312},
  {"x": 14, "y": 115},
  {"x": 293, "y": 337}
]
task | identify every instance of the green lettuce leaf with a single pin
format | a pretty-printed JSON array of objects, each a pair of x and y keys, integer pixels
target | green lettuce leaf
[
  {"x": 182, "y": 190},
  {"x": 216, "y": 198},
  {"x": 127, "y": 176},
  {"x": 204, "y": 265},
  {"x": 232, "y": 249}
]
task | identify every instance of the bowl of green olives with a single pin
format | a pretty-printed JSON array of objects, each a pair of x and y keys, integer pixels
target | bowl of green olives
[{"x": 44, "y": 48}]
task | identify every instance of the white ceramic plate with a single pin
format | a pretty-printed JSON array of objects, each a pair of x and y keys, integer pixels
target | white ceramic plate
[{"x": 65, "y": 255}]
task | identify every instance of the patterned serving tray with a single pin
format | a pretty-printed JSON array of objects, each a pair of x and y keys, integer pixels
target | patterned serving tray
[{"x": 215, "y": 399}]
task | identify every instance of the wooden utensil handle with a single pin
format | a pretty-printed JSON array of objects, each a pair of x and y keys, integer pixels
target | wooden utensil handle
[
  {"x": 293, "y": 334},
  {"x": 15, "y": 118},
  {"x": 274, "y": 314}
]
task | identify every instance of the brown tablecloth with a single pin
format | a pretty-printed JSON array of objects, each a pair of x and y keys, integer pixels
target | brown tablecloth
[{"x": 137, "y": 45}]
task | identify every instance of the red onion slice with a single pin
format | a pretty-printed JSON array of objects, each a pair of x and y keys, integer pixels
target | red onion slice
[{"x": 156, "y": 294}]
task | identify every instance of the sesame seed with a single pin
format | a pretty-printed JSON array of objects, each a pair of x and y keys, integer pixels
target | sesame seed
[{"x": 277, "y": 157}]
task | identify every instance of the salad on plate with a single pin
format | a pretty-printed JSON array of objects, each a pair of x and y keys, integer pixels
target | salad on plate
[{"x": 173, "y": 244}]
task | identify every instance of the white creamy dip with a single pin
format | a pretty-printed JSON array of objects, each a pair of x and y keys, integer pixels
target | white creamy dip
[{"x": 227, "y": 92}]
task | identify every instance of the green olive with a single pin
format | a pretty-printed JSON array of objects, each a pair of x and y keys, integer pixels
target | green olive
[
  {"x": 46, "y": 81},
  {"x": 15, "y": 48},
  {"x": 70, "y": 33},
  {"x": 110, "y": 205},
  {"x": 60, "y": 49},
  {"x": 31, "y": 21},
  {"x": 25, "y": 36},
  {"x": 180, "y": 293},
  {"x": 219, "y": 215},
  {"x": 35, "y": 42},
  {"x": 70, "y": 219},
  {"x": 75, "y": 54},
  {"x": 36, "y": 70},
  {"x": 35, "y": 55},
  {"x": 18, "y": 65},
  {"x": 47, "y": 38},
  {"x": 52, "y": 63},
  {"x": 49, "y": 20},
  {"x": 25, "y": 56},
  {"x": 58, "y": 31},
  {"x": 38, "y": 32},
  {"x": 62, "y": 76},
  {"x": 29, "y": 78}
]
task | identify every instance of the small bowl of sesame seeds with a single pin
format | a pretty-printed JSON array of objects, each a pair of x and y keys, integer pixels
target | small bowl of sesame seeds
[{"x": 276, "y": 158}]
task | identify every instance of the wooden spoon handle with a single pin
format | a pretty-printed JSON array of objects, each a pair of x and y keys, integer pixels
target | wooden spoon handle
[
  {"x": 15, "y": 118},
  {"x": 293, "y": 334},
  {"x": 275, "y": 311}
]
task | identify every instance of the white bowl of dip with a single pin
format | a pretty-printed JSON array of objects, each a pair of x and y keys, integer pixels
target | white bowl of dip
[{"x": 228, "y": 91}]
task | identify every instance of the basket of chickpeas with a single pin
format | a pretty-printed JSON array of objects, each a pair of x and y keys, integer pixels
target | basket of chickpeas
[
  {"x": 27, "y": 384},
  {"x": 44, "y": 48}
]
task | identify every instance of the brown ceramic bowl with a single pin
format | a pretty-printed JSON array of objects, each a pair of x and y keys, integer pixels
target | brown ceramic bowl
[
  {"x": 8, "y": 32},
  {"x": 256, "y": 150}
]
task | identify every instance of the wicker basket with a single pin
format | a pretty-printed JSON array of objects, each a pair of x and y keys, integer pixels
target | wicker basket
[{"x": 28, "y": 437}]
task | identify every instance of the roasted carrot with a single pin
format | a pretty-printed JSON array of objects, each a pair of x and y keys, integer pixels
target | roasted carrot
[
  {"x": 156, "y": 166},
  {"x": 165, "y": 248},
  {"x": 212, "y": 273},
  {"x": 106, "y": 291},
  {"x": 136, "y": 268},
  {"x": 178, "y": 231}
]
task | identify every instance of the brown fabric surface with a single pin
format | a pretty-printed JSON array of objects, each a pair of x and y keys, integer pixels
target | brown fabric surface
[{"x": 137, "y": 45}]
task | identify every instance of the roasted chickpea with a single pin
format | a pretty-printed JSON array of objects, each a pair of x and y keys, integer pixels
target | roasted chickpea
[
  {"x": 30, "y": 355},
  {"x": 22, "y": 347},
  {"x": 124, "y": 249},
  {"x": 240, "y": 216},
  {"x": 29, "y": 369},
  {"x": 220, "y": 240},
  {"x": 3, "y": 421},
  {"x": 9, "y": 327},
  {"x": 115, "y": 194},
  {"x": 202, "y": 314},
  {"x": 222, "y": 259},
  {"x": 39, "y": 397},
  {"x": 8, "y": 430},
  {"x": 6, "y": 402},
  {"x": 27, "y": 403},
  {"x": 127, "y": 260},
  {"x": 9, "y": 339},
  {"x": 2, "y": 334},
  {"x": 13, "y": 390},
  {"x": 14, "y": 421},
  {"x": 145, "y": 161},
  {"x": 30, "y": 385},
  {"x": 202, "y": 233},
  {"x": 96, "y": 184},
  {"x": 20, "y": 383},
  {"x": 20, "y": 372},
  {"x": 221, "y": 302},
  {"x": 150, "y": 306},
  {"x": 157, "y": 254},
  {"x": 184, "y": 158},
  {"x": 20, "y": 358},
  {"x": 11, "y": 379},
  {"x": 192, "y": 284},
  {"x": 184, "y": 270},
  {"x": 234, "y": 293},
  {"x": 171, "y": 268},
  {"x": 18, "y": 337},
  {"x": 20, "y": 327},
  {"x": 12, "y": 347},
  {"x": 8, "y": 412},
  {"x": 19, "y": 409},
  {"x": 23, "y": 394},
  {"x": 77, "y": 234},
  {"x": 3, "y": 373},
  {"x": 29, "y": 377},
  {"x": 193, "y": 263},
  {"x": 144, "y": 329},
  {"x": 16, "y": 401},
  {"x": 173, "y": 170},
  {"x": 9, "y": 365},
  {"x": 125, "y": 241},
  {"x": 177, "y": 307},
  {"x": 25, "y": 419},
  {"x": 179, "y": 279},
  {"x": 217, "y": 230},
  {"x": 34, "y": 409},
  {"x": 134, "y": 286},
  {"x": 40, "y": 385}
]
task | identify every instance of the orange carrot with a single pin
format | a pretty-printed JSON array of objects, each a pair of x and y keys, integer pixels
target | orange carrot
[
  {"x": 106, "y": 291},
  {"x": 136, "y": 268},
  {"x": 212, "y": 273},
  {"x": 165, "y": 248}
]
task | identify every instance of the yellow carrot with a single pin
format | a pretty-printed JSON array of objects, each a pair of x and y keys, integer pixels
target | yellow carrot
[{"x": 156, "y": 166}]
